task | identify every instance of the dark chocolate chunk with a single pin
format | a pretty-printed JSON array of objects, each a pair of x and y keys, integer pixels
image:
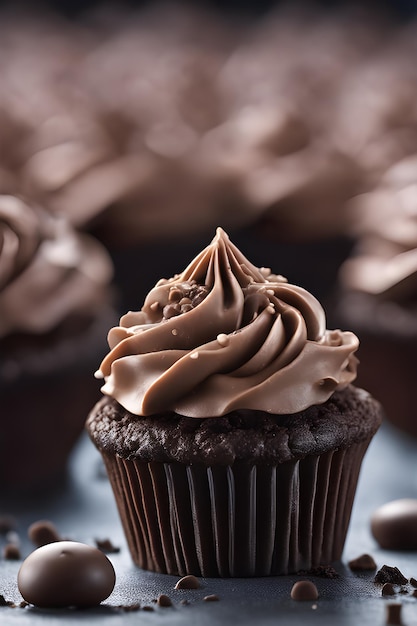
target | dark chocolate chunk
[
  {"x": 304, "y": 590},
  {"x": 388, "y": 574},
  {"x": 413, "y": 582},
  {"x": 188, "y": 582},
  {"x": 211, "y": 598},
  {"x": 388, "y": 589},
  {"x": 394, "y": 525},
  {"x": 164, "y": 600},
  {"x": 362, "y": 563},
  {"x": 3, "y": 601},
  {"x": 43, "y": 532},
  {"x": 393, "y": 613},
  {"x": 66, "y": 573}
]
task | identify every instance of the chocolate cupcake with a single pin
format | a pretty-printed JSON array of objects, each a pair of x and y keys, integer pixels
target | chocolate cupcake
[
  {"x": 377, "y": 293},
  {"x": 55, "y": 309},
  {"x": 230, "y": 430}
]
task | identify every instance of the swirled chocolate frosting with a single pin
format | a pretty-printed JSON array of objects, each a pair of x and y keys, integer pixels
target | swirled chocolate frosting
[
  {"x": 19, "y": 237},
  {"x": 48, "y": 271},
  {"x": 226, "y": 335}
]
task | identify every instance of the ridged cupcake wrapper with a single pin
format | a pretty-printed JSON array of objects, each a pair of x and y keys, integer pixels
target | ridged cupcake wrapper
[{"x": 241, "y": 520}]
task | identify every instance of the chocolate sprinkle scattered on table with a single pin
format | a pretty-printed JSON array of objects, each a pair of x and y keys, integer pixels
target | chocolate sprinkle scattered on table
[
  {"x": 323, "y": 571},
  {"x": 106, "y": 545},
  {"x": 304, "y": 590},
  {"x": 388, "y": 589},
  {"x": 393, "y": 613},
  {"x": 388, "y": 574},
  {"x": 362, "y": 563},
  {"x": 188, "y": 582},
  {"x": 7, "y": 523},
  {"x": 164, "y": 600},
  {"x": 43, "y": 532},
  {"x": 11, "y": 552}
]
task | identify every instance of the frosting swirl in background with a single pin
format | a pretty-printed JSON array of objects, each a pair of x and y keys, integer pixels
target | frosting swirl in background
[
  {"x": 48, "y": 270},
  {"x": 226, "y": 335}
]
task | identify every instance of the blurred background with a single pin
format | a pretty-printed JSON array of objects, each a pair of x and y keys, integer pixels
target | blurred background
[{"x": 130, "y": 130}]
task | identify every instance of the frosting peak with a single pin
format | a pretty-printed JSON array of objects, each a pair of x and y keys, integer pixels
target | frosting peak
[{"x": 226, "y": 335}]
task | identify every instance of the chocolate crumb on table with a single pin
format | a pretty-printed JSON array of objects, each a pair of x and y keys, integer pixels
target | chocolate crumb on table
[
  {"x": 7, "y": 523},
  {"x": 164, "y": 600},
  {"x": 388, "y": 574},
  {"x": 188, "y": 582},
  {"x": 11, "y": 552},
  {"x": 388, "y": 589},
  {"x": 43, "y": 532},
  {"x": 107, "y": 546},
  {"x": 362, "y": 563},
  {"x": 393, "y": 613},
  {"x": 304, "y": 590},
  {"x": 323, "y": 571}
]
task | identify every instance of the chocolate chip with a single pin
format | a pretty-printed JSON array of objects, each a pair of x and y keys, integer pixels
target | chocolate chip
[
  {"x": 147, "y": 607},
  {"x": 11, "y": 552},
  {"x": 388, "y": 589},
  {"x": 365, "y": 562},
  {"x": 393, "y": 613},
  {"x": 211, "y": 598},
  {"x": 413, "y": 582},
  {"x": 164, "y": 600},
  {"x": 188, "y": 582},
  {"x": 304, "y": 590},
  {"x": 388, "y": 574},
  {"x": 105, "y": 545},
  {"x": 43, "y": 532}
]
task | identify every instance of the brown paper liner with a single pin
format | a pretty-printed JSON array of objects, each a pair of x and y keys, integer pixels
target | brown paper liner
[{"x": 241, "y": 520}]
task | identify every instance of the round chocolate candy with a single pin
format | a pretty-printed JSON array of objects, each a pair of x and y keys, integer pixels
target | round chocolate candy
[
  {"x": 66, "y": 574},
  {"x": 304, "y": 590},
  {"x": 394, "y": 525}
]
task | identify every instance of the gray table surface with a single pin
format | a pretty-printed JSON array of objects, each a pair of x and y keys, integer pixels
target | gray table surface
[{"x": 84, "y": 510}]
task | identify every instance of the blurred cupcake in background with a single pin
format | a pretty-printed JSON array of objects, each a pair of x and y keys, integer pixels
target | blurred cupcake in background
[
  {"x": 378, "y": 291},
  {"x": 55, "y": 305}
]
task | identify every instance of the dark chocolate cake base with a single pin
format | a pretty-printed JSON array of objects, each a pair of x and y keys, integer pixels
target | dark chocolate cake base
[
  {"x": 259, "y": 494},
  {"x": 46, "y": 390}
]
